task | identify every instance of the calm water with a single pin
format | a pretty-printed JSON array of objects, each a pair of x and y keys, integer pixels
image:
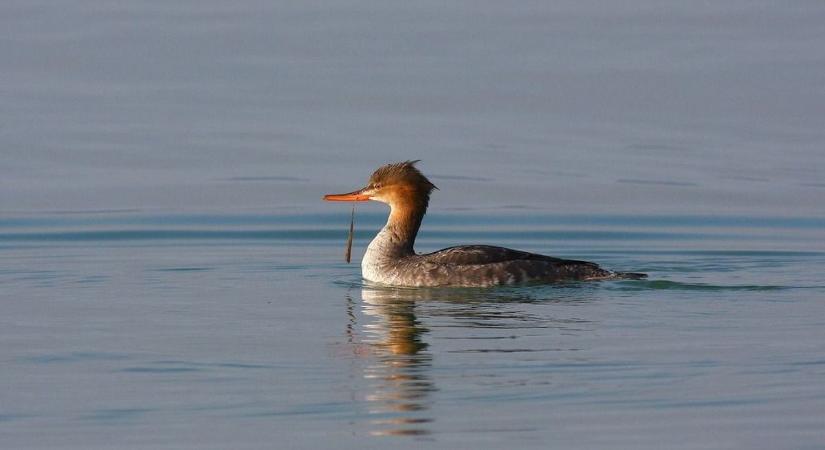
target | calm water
[
  {"x": 249, "y": 332},
  {"x": 169, "y": 277}
]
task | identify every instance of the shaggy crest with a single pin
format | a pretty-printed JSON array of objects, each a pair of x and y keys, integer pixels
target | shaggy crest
[{"x": 402, "y": 173}]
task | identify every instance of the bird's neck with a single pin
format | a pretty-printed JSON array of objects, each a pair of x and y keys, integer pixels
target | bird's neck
[{"x": 397, "y": 238}]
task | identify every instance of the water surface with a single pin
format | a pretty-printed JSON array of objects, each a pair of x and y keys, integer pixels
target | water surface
[
  {"x": 169, "y": 277},
  {"x": 241, "y": 331}
]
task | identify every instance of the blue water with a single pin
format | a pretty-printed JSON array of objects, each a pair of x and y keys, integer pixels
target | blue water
[
  {"x": 169, "y": 277},
  {"x": 243, "y": 331}
]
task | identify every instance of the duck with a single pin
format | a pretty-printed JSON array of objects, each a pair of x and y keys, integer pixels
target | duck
[{"x": 391, "y": 259}]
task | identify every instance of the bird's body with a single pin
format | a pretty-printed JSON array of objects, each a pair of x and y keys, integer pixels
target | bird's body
[
  {"x": 468, "y": 265},
  {"x": 391, "y": 260}
]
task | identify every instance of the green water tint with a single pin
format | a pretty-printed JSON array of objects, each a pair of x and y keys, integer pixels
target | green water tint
[
  {"x": 366, "y": 235},
  {"x": 370, "y": 218},
  {"x": 643, "y": 285}
]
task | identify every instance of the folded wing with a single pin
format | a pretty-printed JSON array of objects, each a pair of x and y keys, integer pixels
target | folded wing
[{"x": 487, "y": 254}]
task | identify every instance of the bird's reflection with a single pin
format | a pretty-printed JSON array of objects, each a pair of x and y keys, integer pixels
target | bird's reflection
[
  {"x": 399, "y": 376},
  {"x": 385, "y": 333}
]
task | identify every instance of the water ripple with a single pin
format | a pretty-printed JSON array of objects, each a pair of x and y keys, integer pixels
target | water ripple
[
  {"x": 335, "y": 234},
  {"x": 641, "y": 285}
]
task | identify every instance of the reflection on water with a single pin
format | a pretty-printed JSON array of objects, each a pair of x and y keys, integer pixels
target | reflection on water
[
  {"x": 400, "y": 382},
  {"x": 391, "y": 339}
]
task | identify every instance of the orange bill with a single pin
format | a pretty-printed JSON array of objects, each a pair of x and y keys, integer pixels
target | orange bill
[{"x": 355, "y": 196}]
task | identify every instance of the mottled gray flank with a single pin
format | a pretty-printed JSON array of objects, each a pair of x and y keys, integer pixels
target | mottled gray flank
[{"x": 468, "y": 266}]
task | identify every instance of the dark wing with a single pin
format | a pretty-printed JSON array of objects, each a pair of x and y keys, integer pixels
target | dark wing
[{"x": 488, "y": 254}]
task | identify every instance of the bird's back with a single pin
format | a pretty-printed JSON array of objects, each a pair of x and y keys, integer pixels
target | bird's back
[{"x": 484, "y": 265}]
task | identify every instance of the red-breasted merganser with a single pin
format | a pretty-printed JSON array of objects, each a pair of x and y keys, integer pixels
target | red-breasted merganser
[{"x": 391, "y": 260}]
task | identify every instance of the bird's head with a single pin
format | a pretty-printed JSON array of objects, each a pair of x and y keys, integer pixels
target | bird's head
[{"x": 394, "y": 184}]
